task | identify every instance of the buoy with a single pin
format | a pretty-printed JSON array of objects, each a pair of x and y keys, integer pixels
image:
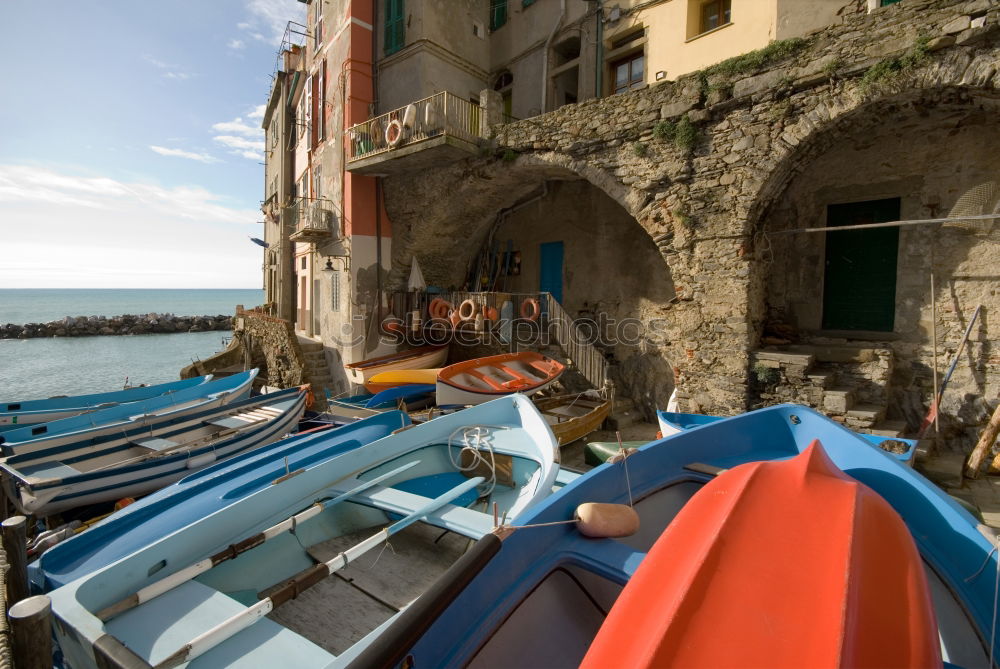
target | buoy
[
  {"x": 123, "y": 502},
  {"x": 619, "y": 456},
  {"x": 530, "y": 309},
  {"x": 409, "y": 116},
  {"x": 492, "y": 314},
  {"x": 454, "y": 318},
  {"x": 479, "y": 322},
  {"x": 606, "y": 521},
  {"x": 393, "y": 133},
  {"x": 467, "y": 310}
]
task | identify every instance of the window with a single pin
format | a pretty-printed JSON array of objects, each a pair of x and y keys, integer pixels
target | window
[
  {"x": 498, "y": 13},
  {"x": 317, "y": 182},
  {"x": 320, "y": 98},
  {"x": 394, "y": 26},
  {"x": 715, "y": 13},
  {"x": 274, "y": 132},
  {"x": 886, "y": 3},
  {"x": 504, "y": 84},
  {"x": 318, "y": 27},
  {"x": 309, "y": 112},
  {"x": 629, "y": 73},
  {"x": 300, "y": 117},
  {"x": 303, "y": 262}
]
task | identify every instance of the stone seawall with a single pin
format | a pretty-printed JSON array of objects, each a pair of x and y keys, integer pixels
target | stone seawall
[{"x": 91, "y": 326}]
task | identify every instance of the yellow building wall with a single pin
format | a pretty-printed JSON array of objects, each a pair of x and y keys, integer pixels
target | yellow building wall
[{"x": 674, "y": 45}]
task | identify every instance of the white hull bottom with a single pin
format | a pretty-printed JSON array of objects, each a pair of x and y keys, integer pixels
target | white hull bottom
[{"x": 447, "y": 394}]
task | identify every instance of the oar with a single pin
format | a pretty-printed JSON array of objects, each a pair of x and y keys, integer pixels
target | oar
[
  {"x": 304, "y": 579},
  {"x": 184, "y": 575}
]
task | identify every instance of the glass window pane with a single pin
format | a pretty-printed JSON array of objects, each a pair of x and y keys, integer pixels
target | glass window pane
[
  {"x": 637, "y": 69},
  {"x": 621, "y": 75}
]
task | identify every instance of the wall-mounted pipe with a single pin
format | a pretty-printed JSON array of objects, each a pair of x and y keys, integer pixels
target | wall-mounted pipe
[{"x": 545, "y": 55}]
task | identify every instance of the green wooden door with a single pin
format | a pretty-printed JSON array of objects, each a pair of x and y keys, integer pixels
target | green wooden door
[{"x": 859, "y": 287}]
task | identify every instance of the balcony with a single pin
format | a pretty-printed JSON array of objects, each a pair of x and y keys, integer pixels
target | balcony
[
  {"x": 421, "y": 135},
  {"x": 314, "y": 221}
]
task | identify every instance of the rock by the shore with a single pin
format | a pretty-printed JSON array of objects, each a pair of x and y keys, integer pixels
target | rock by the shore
[{"x": 90, "y": 326}]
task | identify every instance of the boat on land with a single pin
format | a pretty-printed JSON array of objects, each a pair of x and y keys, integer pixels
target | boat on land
[
  {"x": 414, "y": 358},
  {"x": 201, "y": 494},
  {"x": 503, "y": 604},
  {"x": 31, "y": 412},
  {"x": 273, "y": 575},
  {"x": 573, "y": 417},
  {"x": 597, "y": 452},
  {"x": 849, "y": 591},
  {"x": 482, "y": 379},
  {"x": 133, "y": 462},
  {"x": 400, "y": 378},
  {"x": 153, "y": 414},
  {"x": 409, "y": 397},
  {"x": 671, "y": 422}
]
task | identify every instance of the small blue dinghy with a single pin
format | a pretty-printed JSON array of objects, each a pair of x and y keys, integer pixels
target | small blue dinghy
[
  {"x": 535, "y": 592},
  {"x": 198, "y": 495},
  {"x": 309, "y": 565},
  {"x": 147, "y": 413},
  {"x": 31, "y": 412},
  {"x": 672, "y": 422},
  {"x": 135, "y": 462}
]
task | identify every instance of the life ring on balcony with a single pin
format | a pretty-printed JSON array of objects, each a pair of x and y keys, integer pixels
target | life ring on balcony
[
  {"x": 530, "y": 309},
  {"x": 393, "y": 133},
  {"x": 467, "y": 314},
  {"x": 439, "y": 308}
]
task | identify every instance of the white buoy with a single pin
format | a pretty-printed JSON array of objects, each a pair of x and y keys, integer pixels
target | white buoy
[{"x": 606, "y": 521}]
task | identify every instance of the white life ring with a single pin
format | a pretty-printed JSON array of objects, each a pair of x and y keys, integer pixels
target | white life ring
[
  {"x": 393, "y": 133},
  {"x": 467, "y": 314}
]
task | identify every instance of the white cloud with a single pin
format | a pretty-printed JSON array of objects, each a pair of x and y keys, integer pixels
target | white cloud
[
  {"x": 181, "y": 153},
  {"x": 172, "y": 71},
  {"x": 268, "y": 19},
  {"x": 248, "y": 148},
  {"x": 258, "y": 112},
  {"x": 237, "y": 125},
  {"x": 85, "y": 231},
  {"x": 236, "y": 44}
]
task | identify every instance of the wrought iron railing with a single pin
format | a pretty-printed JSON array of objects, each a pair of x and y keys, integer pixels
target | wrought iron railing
[
  {"x": 553, "y": 325},
  {"x": 312, "y": 217},
  {"x": 441, "y": 114}
]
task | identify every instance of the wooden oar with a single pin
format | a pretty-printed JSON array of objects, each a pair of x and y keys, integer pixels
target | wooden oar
[
  {"x": 305, "y": 579},
  {"x": 184, "y": 575},
  {"x": 936, "y": 403}
]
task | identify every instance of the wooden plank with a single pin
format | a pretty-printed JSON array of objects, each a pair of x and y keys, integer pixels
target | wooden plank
[
  {"x": 983, "y": 446},
  {"x": 31, "y": 633}
]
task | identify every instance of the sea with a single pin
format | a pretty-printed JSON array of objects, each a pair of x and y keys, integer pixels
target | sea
[{"x": 44, "y": 367}]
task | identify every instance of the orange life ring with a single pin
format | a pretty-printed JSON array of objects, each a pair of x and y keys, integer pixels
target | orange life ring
[
  {"x": 471, "y": 311},
  {"x": 393, "y": 132},
  {"x": 530, "y": 309},
  {"x": 439, "y": 308}
]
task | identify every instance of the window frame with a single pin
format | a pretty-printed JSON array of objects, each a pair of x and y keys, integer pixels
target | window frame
[
  {"x": 725, "y": 13},
  {"x": 394, "y": 35},
  {"x": 498, "y": 14},
  {"x": 631, "y": 84}
]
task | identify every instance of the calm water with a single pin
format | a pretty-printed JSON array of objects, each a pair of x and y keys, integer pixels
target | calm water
[
  {"x": 34, "y": 368},
  {"x": 41, "y": 305}
]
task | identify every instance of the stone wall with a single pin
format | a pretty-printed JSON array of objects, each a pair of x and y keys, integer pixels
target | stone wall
[
  {"x": 701, "y": 163},
  {"x": 273, "y": 348}
]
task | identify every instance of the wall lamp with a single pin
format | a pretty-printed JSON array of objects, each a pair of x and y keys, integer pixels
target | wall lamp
[{"x": 329, "y": 263}]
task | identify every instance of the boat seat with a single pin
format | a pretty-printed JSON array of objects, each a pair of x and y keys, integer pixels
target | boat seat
[
  {"x": 47, "y": 471},
  {"x": 233, "y": 422},
  {"x": 512, "y": 372},
  {"x": 433, "y": 485},
  {"x": 486, "y": 379},
  {"x": 156, "y": 444}
]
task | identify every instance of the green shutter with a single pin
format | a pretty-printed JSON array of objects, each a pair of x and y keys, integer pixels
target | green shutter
[
  {"x": 395, "y": 27},
  {"x": 498, "y": 13},
  {"x": 886, "y": 3}
]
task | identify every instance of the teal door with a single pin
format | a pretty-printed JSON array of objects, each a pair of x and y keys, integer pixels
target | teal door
[
  {"x": 859, "y": 287},
  {"x": 551, "y": 269}
]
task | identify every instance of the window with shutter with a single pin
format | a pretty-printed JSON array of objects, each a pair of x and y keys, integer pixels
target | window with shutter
[
  {"x": 394, "y": 26},
  {"x": 320, "y": 102},
  {"x": 309, "y": 112},
  {"x": 498, "y": 13}
]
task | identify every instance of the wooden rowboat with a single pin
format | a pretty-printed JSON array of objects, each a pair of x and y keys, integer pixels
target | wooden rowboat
[
  {"x": 476, "y": 381},
  {"x": 536, "y": 593},
  {"x": 382, "y": 381},
  {"x": 747, "y": 555},
  {"x": 414, "y": 358},
  {"x": 573, "y": 417}
]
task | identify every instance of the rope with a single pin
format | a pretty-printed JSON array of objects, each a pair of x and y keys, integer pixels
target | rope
[
  {"x": 554, "y": 522},
  {"x": 628, "y": 483},
  {"x": 5, "y": 654},
  {"x": 480, "y": 435}
]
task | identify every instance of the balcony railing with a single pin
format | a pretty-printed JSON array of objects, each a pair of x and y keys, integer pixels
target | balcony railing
[
  {"x": 441, "y": 115},
  {"x": 314, "y": 221}
]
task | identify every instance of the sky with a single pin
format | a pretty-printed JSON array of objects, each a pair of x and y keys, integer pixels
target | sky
[{"x": 131, "y": 148}]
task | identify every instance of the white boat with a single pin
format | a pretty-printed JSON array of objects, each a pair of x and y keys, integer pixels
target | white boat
[
  {"x": 133, "y": 463},
  {"x": 414, "y": 358},
  {"x": 271, "y": 578}
]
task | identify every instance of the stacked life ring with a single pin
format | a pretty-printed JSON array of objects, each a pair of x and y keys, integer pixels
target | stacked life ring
[
  {"x": 530, "y": 310},
  {"x": 393, "y": 133},
  {"x": 439, "y": 308}
]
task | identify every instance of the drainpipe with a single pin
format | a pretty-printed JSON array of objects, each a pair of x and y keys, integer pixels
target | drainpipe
[
  {"x": 599, "y": 65},
  {"x": 545, "y": 55}
]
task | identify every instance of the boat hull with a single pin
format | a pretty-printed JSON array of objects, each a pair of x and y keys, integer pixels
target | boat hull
[
  {"x": 479, "y": 380},
  {"x": 573, "y": 417},
  {"x": 418, "y": 358}
]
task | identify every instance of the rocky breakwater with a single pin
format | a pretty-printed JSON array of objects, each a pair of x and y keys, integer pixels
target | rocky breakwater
[{"x": 92, "y": 326}]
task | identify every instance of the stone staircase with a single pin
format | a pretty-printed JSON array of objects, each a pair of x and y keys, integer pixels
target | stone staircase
[
  {"x": 850, "y": 384},
  {"x": 624, "y": 414},
  {"x": 317, "y": 371}
]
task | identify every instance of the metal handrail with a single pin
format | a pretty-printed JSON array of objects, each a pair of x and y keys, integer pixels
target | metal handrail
[{"x": 442, "y": 114}]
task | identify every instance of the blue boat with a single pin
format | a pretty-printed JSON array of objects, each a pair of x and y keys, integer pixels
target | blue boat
[
  {"x": 149, "y": 413},
  {"x": 672, "y": 422},
  {"x": 507, "y": 602},
  {"x": 133, "y": 462},
  {"x": 31, "y": 412},
  {"x": 198, "y": 495},
  {"x": 298, "y": 568}
]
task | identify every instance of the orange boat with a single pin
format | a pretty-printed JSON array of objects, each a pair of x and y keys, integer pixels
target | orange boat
[
  {"x": 482, "y": 379},
  {"x": 776, "y": 564}
]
